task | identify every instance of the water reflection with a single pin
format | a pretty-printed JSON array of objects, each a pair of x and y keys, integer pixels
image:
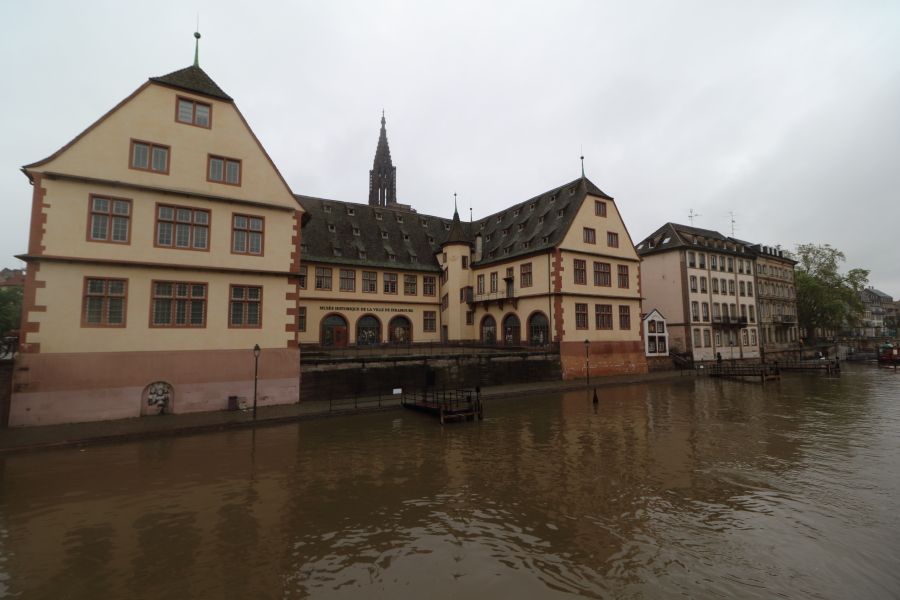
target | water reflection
[{"x": 696, "y": 487}]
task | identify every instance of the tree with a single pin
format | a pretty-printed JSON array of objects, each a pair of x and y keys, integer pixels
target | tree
[
  {"x": 825, "y": 298},
  {"x": 10, "y": 308}
]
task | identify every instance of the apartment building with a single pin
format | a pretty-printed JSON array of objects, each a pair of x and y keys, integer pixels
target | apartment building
[{"x": 776, "y": 297}]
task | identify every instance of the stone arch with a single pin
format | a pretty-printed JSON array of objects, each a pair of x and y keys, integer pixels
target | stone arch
[
  {"x": 538, "y": 329},
  {"x": 488, "y": 330},
  {"x": 400, "y": 330},
  {"x": 368, "y": 330},
  {"x": 333, "y": 330},
  {"x": 512, "y": 329}
]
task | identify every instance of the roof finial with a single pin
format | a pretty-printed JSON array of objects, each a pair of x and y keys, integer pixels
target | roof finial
[
  {"x": 454, "y": 204},
  {"x": 197, "y": 44},
  {"x": 582, "y": 162},
  {"x": 382, "y": 117}
]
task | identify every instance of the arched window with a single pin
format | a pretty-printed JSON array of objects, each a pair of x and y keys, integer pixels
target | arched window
[
  {"x": 368, "y": 331},
  {"x": 400, "y": 330},
  {"x": 511, "y": 330},
  {"x": 334, "y": 331},
  {"x": 538, "y": 329},
  {"x": 488, "y": 330}
]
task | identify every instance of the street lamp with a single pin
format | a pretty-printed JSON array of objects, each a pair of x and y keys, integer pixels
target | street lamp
[
  {"x": 255, "y": 376},
  {"x": 587, "y": 365}
]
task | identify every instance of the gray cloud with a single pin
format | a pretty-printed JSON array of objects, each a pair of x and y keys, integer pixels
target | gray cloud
[{"x": 784, "y": 113}]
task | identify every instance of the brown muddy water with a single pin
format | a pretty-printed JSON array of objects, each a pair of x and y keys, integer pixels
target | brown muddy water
[{"x": 695, "y": 489}]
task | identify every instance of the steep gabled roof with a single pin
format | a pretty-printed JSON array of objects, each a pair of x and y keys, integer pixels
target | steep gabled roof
[
  {"x": 193, "y": 79},
  {"x": 457, "y": 233},
  {"x": 534, "y": 225}
]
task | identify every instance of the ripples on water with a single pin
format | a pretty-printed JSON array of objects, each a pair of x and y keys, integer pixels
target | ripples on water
[{"x": 696, "y": 488}]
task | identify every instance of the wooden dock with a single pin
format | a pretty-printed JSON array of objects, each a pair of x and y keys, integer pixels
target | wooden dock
[
  {"x": 756, "y": 373},
  {"x": 820, "y": 365},
  {"x": 447, "y": 405}
]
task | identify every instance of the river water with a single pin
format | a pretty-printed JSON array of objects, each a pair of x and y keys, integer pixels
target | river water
[{"x": 695, "y": 488}]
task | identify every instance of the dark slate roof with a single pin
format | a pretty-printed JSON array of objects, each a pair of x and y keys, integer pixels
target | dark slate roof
[
  {"x": 535, "y": 225},
  {"x": 673, "y": 235},
  {"x": 363, "y": 238},
  {"x": 193, "y": 79},
  {"x": 518, "y": 230}
]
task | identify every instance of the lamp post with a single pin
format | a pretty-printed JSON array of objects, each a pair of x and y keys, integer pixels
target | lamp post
[
  {"x": 587, "y": 365},
  {"x": 255, "y": 376}
]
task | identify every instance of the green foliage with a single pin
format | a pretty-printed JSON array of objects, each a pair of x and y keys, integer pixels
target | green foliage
[
  {"x": 826, "y": 299},
  {"x": 10, "y": 308}
]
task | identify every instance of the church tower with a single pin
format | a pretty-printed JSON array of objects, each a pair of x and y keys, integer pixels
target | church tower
[{"x": 383, "y": 176}]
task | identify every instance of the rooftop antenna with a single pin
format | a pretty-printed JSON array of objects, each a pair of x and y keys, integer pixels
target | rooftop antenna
[
  {"x": 732, "y": 222},
  {"x": 197, "y": 43},
  {"x": 470, "y": 211},
  {"x": 691, "y": 215}
]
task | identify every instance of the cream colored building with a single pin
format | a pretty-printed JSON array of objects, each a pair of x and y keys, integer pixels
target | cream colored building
[
  {"x": 164, "y": 246},
  {"x": 777, "y": 299},
  {"x": 559, "y": 268},
  {"x": 704, "y": 283}
]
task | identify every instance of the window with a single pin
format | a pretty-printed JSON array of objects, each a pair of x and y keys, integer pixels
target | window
[
  {"x": 182, "y": 227},
  {"x": 624, "y": 317},
  {"x": 706, "y": 338},
  {"x": 246, "y": 305},
  {"x": 730, "y": 287},
  {"x": 743, "y": 288},
  {"x": 752, "y": 314},
  {"x": 494, "y": 281},
  {"x": 612, "y": 239},
  {"x": 703, "y": 284},
  {"x": 715, "y": 285},
  {"x": 749, "y": 288},
  {"x": 599, "y": 208},
  {"x": 178, "y": 304},
  {"x": 247, "y": 234},
  {"x": 590, "y": 236},
  {"x": 109, "y": 219},
  {"x": 602, "y": 274},
  {"x": 369, "y": 282},
  {"x": 104, "y": 302},
  {"x": 580, "y": 271},
  {"x": 193, "y": 112},
  {"x": 348, "y": 280},
  {"x": 390, "y": 283},
  {"x": 445, "y": 301},
  {"x": 697, "y": 338},
  {"x": 479, "y": 285},
  {"x": 581, "y": 319},
  {"x": 705, "y": 307},
  {"x": 713, "y": 262},
  {"x": 730, "y": 264},
  {"x": 323, "y": 278},
  {"x": 603, "y": 316},
  {"x": 147, "y": 156},
  {"x": 301, "y": 318},
  {"x": 428, "y": 285},
  {"x": 702, "y": 260},
  {"x": 745, "y": 338},
  {"x": 525, "y": 275},
  {"x": 410, "y": 285},
  {"x": 303, "y": 274},
  {"x": 623, "y": 276},
  {"x": 465, "y": 262},
  {"x": 693, "y": 283},
  {"x": 695, "y": 311},
  {"x": 692, "y": 259},
  {"x": 429, "y": 320},
  {"x": 752, "y": 337},
  {"x": 224, "y": 170}
]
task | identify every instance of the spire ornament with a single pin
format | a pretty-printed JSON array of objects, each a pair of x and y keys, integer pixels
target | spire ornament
[{"x": 197, "y": 47}]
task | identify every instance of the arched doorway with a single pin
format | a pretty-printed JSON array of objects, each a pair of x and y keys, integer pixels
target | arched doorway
[
  {"x": 334, "y": 331},
  {"x": 400, "y": 330},
  {"x": 511, "y": 330},
  {"x": 488, "y": 330},
  {"x": 538, "y": 329},
  {"x": 368, "y": 331}
]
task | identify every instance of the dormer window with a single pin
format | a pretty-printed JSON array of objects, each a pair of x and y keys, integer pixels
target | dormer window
[
  {"x": 392, "y": 257},
  {"x": 430, "y": 240},
  {"x": 521, "y": 226},
  {"x": 362, "y": 254},
  {"x": 351, "y": 211},
  {"x": 506, "y": 232},
  {"x": 356, "y": 231},
  {"x": 447, "y": 226},
  {"x": 424, "y": 222},
  {"x": 492, "y": 253},
  {"x": 545, "y": 239},
  {"x": 572, "y": 190},
  {"x": 553, "y": 197},
  {"x": 487, "y": 238},
  {"x": 377, "y": 216},
  {"x": 516, "y": 212},
  {"x": 337, "y": 251},
  {"x": 506, "y": 251},
  {"x": 414, "y": 259},
  {"x": 331, "y": 228},
  {"x": 541, "y": 219},
  {"x": 326, "y": 208},
  {"x": 531, "y": 206},
  {"x": 384, "y": 235},
  {"x": 560, "y": 213},
  {"x": 526, "y": 244},
  {"x": 405, "y": 237},
  {"x": 304, "y": 247},
  {"x": 399, "y": 218}
]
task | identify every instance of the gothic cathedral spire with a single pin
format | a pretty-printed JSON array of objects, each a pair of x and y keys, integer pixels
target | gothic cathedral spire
[{"x": 383, "y": 176}]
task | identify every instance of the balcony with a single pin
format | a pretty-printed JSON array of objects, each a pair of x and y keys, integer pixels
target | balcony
[
  {"x": 507, "y": 294},
  {"x": 785, "y": 319},
  {"x": 729, "y": 321}
]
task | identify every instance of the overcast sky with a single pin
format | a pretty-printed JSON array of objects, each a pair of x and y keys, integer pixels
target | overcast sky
[{"x": 785, "y": 113}]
